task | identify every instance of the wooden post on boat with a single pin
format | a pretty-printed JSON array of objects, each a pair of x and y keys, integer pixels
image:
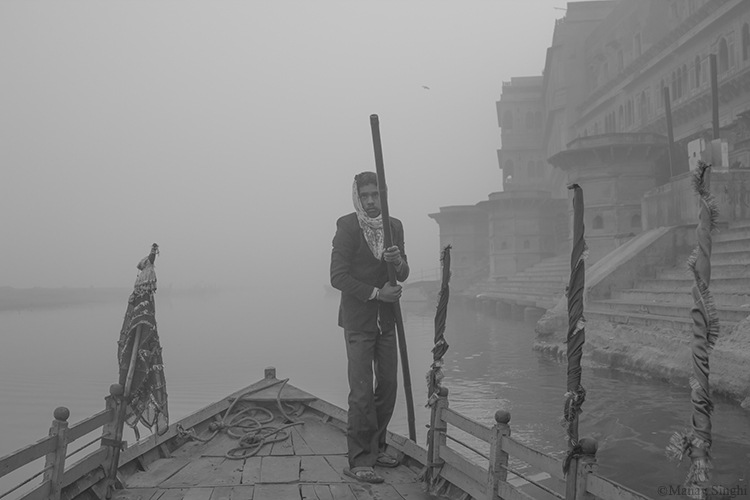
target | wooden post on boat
[
  {"x": 55, "y": 463},
  {"x": 498, "y": 468},
  {"x": 585, "y": 465},
  {"x": 114, "y": 403},
  {"x": 438, "y": 429}
]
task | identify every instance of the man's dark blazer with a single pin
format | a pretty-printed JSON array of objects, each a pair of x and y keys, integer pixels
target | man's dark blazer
[{"x": 356, "y": 272}]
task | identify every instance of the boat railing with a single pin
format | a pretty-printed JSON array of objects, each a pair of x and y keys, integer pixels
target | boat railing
[
  {"x": 498, "y": 477},
  {"x": 55, "y": 449}
]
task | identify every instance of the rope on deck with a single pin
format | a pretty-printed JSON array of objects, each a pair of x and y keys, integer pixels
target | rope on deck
[{"x": 253, "y": 433}]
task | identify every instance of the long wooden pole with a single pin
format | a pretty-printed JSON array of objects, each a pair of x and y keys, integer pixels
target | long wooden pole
[{"x": 375, "y": 126}]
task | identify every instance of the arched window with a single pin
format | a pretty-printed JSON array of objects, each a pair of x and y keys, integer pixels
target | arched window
[
  {"x": 597, "y": 223},
  {"x": 596, "y": 128},
  {"x": 635, "y": 221},
  {"x": 745, "y": 42},
  {"x": 673, "y": 90},
  {"x": 526, "y": 244},
  {"x": 685, "y": 86},
  {"x": 503, "y": 245},
  {"x": 508, "y": 120},
  {"x": 620, "y": 118},
  {"x": 660, "y": 98},
  {"x": 529, "y": 120},
  {"x": 698, "y": 71},
  {"x": 642, "y": 108},
  {"x": 508, "y": 167},
  {"x": 531, "y": 168},
  {"x": 723, "y": 56},
  {"x": 538, "y": 120}
]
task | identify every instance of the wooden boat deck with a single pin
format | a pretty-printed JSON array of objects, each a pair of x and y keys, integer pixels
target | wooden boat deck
[{"x": 308, "y": 465}]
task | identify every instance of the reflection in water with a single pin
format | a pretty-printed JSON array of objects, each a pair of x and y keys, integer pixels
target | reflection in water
[{"x": 216, "y": 344}]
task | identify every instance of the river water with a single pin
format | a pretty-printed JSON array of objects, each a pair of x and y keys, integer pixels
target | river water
[{"x": 218, "y": 343}]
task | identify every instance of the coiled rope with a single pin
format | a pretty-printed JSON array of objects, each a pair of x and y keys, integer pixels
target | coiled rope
[{"x": 248, "y": 425}]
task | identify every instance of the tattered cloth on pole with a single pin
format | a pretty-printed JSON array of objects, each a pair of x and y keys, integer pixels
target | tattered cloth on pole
[
  {"x": 576, "y": 394},
  {"x": 697, "y": 442},
  {"x": 146, "y": 401},
  {"x": 435, "y": 375}
]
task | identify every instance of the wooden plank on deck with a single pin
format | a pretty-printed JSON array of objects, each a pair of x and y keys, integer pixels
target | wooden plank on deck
[
  {"x": 137, "y": 494},
  {"x": 159, "y": 470},
  {"x": 399, "y": 475},
  {"x": 338, "y": 462},
  {"x": 251, "y": 470},
  {"x": 322, "y": 438},
  {"x": 413, "y": 491},
  {"x": 284, "y": 448},
  {"x": 341, "y": 492},
  {"x": 299, "y": 443},
  {"x": 374, "y": 491},
  {"x": 317, "y": 470},
  {"x": 198, "y": 494},
  {"x": 232, "y": 493},
  {"x": 276, "y": 492},
  {"x": 173, "y": 494},
  {"x": 279, "y": 469},
  {"x": 207, "y": 472}
]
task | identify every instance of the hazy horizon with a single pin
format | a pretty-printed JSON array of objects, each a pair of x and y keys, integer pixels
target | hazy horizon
[{"x": 229, "y": 132}]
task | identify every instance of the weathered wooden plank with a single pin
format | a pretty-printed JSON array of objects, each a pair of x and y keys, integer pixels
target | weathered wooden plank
[
  {"x": 243, "y": 493},
  {"x": 219, "y": 445},
  {"x": 413, "y": 491},
  {"x": 222, "y": 493},
  {"x": 322, "y": 438},
  {"x": 467, "y": 424},
  {"x": 341, "y": 492},
  {"x": 307, "y": 492},
  {"x": 508, "y": 492},
  {"x": 280, "y": 469},
  {"x": 546, "y": 463},
  {"x": 198, "y": 494},
  {"x": 461, "y": 480},
  {"x": 288, "y": 393},
  {"x": 408, "y": 447},
  {"x": 323, "y": 491},
  {"x": 470, "y": 469},
  {"x": 210, "y": 471},
  {"x": 329, "y": 409},
  {"x": 173, "y": 494},
  {"x": 232, "y": 493},
  {"x": 136, "y": 494},
  {"x": 158, "y": 471},
  {"x": 398, "y": 475},
  {"x": 338, "y": 462},
  {"x": 374, "y": 491},
  {"x": 284, "y": 448},
  {"x": 251, "y": 470},
  {"x": 276, "y": 492},
  {"x": 316, "y": 469},
  {"x": 90, "y": 424},
  {"x": 27, "y": 454},
  {"x": 84, "y": 466},
  {"x": 604, "y": 488},
  {"x": 299, "y": 444},
  {"x": 41, "y": 492}
]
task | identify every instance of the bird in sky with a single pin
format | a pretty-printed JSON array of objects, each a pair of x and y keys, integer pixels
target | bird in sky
[{"x": 425, "y": 87}]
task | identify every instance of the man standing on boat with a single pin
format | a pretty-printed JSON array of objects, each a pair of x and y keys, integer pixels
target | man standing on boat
[{"x": 366, "y": 313}]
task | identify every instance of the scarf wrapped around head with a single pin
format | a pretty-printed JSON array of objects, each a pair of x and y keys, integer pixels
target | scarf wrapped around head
[{"x": 371, "y": 228}]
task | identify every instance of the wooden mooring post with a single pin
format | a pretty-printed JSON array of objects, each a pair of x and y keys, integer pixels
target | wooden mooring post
[
  {"x": 55, "y": 462},
  {"x": 498, "y": 468},
  {"x": 438, "y": 429},
  {"x": 581, "y": 465}
]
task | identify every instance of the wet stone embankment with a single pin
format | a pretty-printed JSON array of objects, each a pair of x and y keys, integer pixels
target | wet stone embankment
[{"x": 655, "y": 351}]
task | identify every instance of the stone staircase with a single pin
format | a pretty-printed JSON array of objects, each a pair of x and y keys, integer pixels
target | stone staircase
[
  {"x": 540, "y": 286},
  {"x": 666, "y": 300}
]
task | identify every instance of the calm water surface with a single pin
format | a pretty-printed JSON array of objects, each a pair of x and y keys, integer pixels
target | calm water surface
[{"x": 216, "y": 344}]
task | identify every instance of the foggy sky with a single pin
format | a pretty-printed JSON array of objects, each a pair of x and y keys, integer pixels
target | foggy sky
[{"x": 229, "y": 132}]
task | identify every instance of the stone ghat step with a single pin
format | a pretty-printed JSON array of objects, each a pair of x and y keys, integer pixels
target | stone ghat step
[
  {"x": 738, "y": 257},
  {"x": 679, "y": 310},
  {"x": 544, "y": 301},
  {"x": 552, "y": 291},
  {"x": 640, "y": 319},
  {"x": 739, "y": 224},
  {"x": 733, "y": 284},
  {"x": 522, "y": 278},
  {"x": 731, "y": 234},
  {"x": 721, "y": 298},
  {"x": 718, "y": 271},
  {"x": 730, "y": 246}
]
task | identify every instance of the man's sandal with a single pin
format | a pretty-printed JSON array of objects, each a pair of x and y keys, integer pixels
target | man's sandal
[
  {"x": 385, "y": 460},
  {"x": 363, "y": 474}
]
